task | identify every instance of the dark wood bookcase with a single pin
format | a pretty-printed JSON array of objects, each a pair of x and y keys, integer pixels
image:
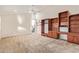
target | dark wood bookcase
[
  {"x": 74, "y": 28},
  {"x": 63, "y": 23},
  {"x": 64, "y": 19},
  {"x": 43, "y": 23},
  {"x": 53, "y": 27}
]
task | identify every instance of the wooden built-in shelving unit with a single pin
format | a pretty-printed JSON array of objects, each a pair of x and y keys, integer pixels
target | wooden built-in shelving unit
[
  {"x": 74, "y": 28},
  {"x": 65, "y": 26}
]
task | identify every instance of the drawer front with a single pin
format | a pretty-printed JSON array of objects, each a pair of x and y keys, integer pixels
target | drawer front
[{"x": 70, "y": 38}]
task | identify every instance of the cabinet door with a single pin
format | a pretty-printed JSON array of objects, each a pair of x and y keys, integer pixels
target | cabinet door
[
  {"x": 55, "y": 35},
  {"x": 52, "y": 34},
  {"x": 70, "y": 38},
  {"x": 73, "y": 39},
  {"x": 76, "y": 39},
  {"x": 49, "y": 33}
]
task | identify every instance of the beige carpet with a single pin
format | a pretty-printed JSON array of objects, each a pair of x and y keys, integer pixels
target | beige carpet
[{"x": 36, "y": 44}]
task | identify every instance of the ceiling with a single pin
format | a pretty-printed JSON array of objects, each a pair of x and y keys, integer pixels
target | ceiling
[
  {"x": 12, "y": 9},
  {"x": 49, "y": 9}
]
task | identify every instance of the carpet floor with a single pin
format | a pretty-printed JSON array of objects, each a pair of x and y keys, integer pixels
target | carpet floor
[{"x": 35, "y": 43}]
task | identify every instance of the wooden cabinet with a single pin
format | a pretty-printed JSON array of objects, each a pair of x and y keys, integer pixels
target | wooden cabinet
[
  {"x": 53, "y": 34},
  {"x": 73, "y": 37}
]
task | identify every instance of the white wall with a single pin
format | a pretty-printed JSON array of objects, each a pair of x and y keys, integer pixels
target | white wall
[
  {"x": 0, "y": 27},
  {"x": 15, "y": 24},
  {"x": 49, "y": 11}
]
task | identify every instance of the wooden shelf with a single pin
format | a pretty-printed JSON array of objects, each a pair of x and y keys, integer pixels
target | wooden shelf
[
  {"x": 64, "y": 18},
  {"x": 53, "y": 34},
  {"x": 55, "y": 24},
  {"x": 62, "y": 32},
  {"x": 74, "y": 23}
]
